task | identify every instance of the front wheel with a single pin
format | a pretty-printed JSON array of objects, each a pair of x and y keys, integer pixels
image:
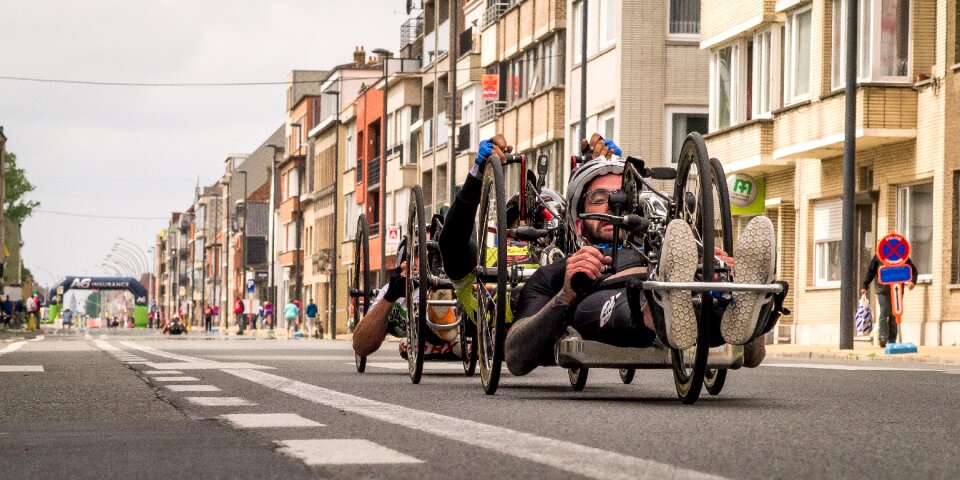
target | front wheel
[
  {"x": 468, "y": 345},
  {"x": 361, "y": 292},
  {"x": 417, "y": 285},
  {"x": 627, "y": 374},
  {"x": 578, "y": 378},
  {"x": 713, "y": 380},
  {"x": 491, "y": 304}
]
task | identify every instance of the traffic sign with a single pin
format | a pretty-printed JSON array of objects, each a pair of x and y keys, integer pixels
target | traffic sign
[
  {"x": 393, "y": 235},
  {"x": 894, "y": 274},
  {"x": 893, "y": 249},
  {"x": 250, "y": 286}
]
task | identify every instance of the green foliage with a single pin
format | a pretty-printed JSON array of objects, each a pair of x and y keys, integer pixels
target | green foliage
[
  {"x": 25, "y": 273},
  {"x": 16, "y": 186},
  {"x": 92, "y": 306}
]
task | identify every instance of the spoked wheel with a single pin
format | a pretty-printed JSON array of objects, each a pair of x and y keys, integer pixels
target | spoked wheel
[
  {"x": 578, "y": 378},
  {"x": 491, "y": 305},
  {"x": 468, "y": 344},
  {"x": 360, "y": 291},
  {"x": 723, "y": 237},
  {"x": 627, "y": 374},
  {"x": 694, "y": 204},
  {"x": 417, "y": 285}
]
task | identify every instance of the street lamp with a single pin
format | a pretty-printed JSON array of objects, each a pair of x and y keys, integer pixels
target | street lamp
[
  {"x": 298, "y": 278},
  {"x": 241, "y": 219},
  {"x": 274, "y": 188},
  {"x": 336, "y": 202},
  {"x": 136, "y": 248},
  {"x": 134, "y": 259},
  {"x": 386, "y": 54},
  {"x": 225, "y": 181},
  {"x": 121, "y": 260}
]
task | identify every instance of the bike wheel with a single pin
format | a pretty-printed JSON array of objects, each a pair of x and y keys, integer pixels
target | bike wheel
[
  {"x": 578, "y": 378},
  {"x": 491, "y": 307},
  {"x": 417, "y": 285},
  {"x": 468, "y": 345},
  {"x": 693, "y": 203},
  {"x": 360, "y": 291},
  {"x": 714, "y": 378},
  {"x": 627, "y": 374}
]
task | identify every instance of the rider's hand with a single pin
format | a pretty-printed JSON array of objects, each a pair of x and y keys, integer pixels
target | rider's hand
[
  {"x": 863, "y": 291},
  {"x": 600, "y": 147},
  {"x": 493, "y": 146},
  {"x": 587, "y": 260},
  {"x": 398, "y": 283},
  {"x": 910, "y": 285}
]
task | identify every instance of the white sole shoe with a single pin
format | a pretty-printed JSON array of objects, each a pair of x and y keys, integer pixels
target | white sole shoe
[
  {"x": 753, "y": 263},
  {"x": 678, "y": 263}
]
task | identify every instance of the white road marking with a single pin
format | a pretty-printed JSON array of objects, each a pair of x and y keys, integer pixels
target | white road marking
[
  {"x": 221, "y": 401},
  {"x": 566, "y": 456},
  {"x": 175, "y": 379},
  {"x": 404, "y": 366},
  {"x": 853, "y": 368},
  {"x": 269, "y": 420},
  {"x": 284, "y": 357},
  {"x": 201, "y": 365},
  {"x": 192, "y": 388},
  {"x": 13, "y": 347},
  {"x": 39, "y": 338},
  {"x": 21, "y": 368},
  {"x": 348, "y": 451},
  {"x": 163, "y": 372}
]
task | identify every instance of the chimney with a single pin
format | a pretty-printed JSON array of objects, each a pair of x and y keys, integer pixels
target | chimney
[{"x": 358, "y": 56}]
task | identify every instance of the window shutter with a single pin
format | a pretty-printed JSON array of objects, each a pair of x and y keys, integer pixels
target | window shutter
[{"x": 827, "y": 218}]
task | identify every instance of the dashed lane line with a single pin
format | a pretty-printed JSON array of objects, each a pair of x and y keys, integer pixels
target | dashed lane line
[
  {"x": 346, "y": 451},
  {"x": 857, "y": 368},
  {"x": 20, "y": 368},
  {"x": 175, "y": 379},
  {"x": 221, "y": 401},
  {"x": 269, "y": 420},
  {"x": 13, "y": 347},
  {"x": 192, "y": 388}
]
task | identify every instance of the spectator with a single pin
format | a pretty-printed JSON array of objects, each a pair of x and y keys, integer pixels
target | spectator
[
  {"x": 291, "y": 312},
  {"x": 268, "y": 313},
  {"x": 207, "y": 319},
  {"x": 887, "y": 322},
  {"x": 238, "y": 311},
  {"x": 312, "y": 319}
]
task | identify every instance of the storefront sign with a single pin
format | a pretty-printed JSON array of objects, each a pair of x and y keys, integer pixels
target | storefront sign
[
  {"x": 490, "y": 85},
  {"x": 746, "y": 194}
]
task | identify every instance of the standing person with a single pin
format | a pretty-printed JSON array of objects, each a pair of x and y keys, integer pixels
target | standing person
[
  {"x": 886, "y": 320},
  {"x": 207, "y": 318},
  {"x": 291, "y": 312},
  {"x": 31, "y": 306},
  {"x": 312, "y": 319},
  {"x": 19, "y": 310},
  {"x": 7, "y": 310},
  {"x": 268, "y": 314},
  {"x": 67, "y": 319},
  {"x": 259, "y": 319},
  {"x": 238, "y": 311}
]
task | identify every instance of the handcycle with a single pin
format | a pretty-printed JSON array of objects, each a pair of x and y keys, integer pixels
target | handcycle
[
  {"x": 539, "y": 225},
  {"x": 360, "y": 292},
  {"x": 644, "y": 212}
]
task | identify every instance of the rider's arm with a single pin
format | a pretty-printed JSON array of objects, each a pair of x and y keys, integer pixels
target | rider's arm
[
  {"x": 372, "y": 330},
  {"x": 541, "y": 318}
]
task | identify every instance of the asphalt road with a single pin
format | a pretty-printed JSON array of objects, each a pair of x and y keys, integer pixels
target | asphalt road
[{"x": 114, "y": 406}]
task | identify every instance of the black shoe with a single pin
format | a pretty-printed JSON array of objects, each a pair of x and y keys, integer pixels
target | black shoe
[{"x": 883, "y": 343}]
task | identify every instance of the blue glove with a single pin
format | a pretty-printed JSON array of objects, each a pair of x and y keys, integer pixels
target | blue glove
[
  {"x": 486, "y": 149},
  {"x": 613, "y": 147}
]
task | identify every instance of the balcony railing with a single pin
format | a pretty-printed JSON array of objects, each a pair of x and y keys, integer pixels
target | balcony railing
[
  {"x": 464, "y": 139},
  {"x": 491, "y": 110},
  {"x": 494, "y": 11},
  {"x": 359, "y": 170},
  {"x": 373, "y": 170},
  {"x": 410, "y": 30},
  {"x": 465, "y": 45}
]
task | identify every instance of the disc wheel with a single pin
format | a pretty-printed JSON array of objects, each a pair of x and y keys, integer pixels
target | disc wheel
[
  {"x": 468, "y": 344},
  {"x": 714, "y": 378},
  {"x": 360, "y": 291},
  {"x": 693, "y": 203},
  {"x": 418, "y": 272},
  {"x": 627, "y": 374},
  {"x": 578, "y": 378},
  {"x": 491, "y": 304}
]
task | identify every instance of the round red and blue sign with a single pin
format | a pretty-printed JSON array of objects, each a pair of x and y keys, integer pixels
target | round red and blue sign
[{"x": 893, "y": 249}]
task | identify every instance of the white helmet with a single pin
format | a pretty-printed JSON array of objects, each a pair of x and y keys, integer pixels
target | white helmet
[{"x": 582, "y": 177}]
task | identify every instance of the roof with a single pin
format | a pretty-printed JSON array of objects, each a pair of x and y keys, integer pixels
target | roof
[{"x": 257, "y": 165}]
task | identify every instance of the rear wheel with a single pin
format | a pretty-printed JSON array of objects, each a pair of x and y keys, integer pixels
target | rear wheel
[
  {"x": 627, "y": 374},
  {"x": 360, "y": 291},
  {"x": 693, "y": 203},
  {"x": 491, "y": 304},
  {"x": 417, "y": 285},
  {"x": 578, "y": 378},
  {"x": 714, "y": 378},
  {"x": 468, "y": 344}
]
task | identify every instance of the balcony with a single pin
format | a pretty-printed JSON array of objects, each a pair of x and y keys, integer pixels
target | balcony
[
  {"x": 494, "y": 12},
  {"x": 373, "y": 173},
  {"x": 410, "y": 30},
  {"x": 464, "y": 138},
  {"x": 288, "y": 259},
  {"x": 885, "y": 115},
  {"x": 359, "y": 170},
  {"x": 491, "y": 110},
  {"x": 746, "y": 148}
]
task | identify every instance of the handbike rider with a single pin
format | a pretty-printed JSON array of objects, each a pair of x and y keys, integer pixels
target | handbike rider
[{"x": 547, "y": 304}]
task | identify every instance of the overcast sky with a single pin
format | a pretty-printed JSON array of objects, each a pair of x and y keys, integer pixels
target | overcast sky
[{"x": 139, "y": 151}]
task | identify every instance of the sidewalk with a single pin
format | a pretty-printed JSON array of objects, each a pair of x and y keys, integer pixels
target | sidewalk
[{"x": 949, "y": 355}]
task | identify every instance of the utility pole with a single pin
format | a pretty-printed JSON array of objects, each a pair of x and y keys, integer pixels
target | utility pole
[
  {"x": 336, "y": 202},
  {"x": 226, "y": 250},
  {"x": 274, "y": 188},
  {"x": 583, "y": 72},
  {"x": 243, "y": 256},
  {"x": 453, "y": 56},
  {"x": 848, "y": 274}
]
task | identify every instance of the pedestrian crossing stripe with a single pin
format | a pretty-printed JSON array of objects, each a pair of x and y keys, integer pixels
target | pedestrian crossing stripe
[{"x": 342, "y": 451}]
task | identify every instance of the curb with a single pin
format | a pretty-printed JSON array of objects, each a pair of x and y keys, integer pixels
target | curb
[{"x": 866, "y": 357}]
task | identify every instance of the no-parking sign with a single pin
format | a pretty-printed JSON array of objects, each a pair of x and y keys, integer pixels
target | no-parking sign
[{"x": 893, "y": 249}]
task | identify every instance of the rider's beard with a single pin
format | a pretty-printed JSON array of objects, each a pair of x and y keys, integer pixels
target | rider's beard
[{"x": 593, "y": 232}]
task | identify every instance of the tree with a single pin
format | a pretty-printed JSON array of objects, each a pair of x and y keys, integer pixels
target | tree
[
  {"x": 92, "y": 306},
  {"x": 16, "y": 185}
]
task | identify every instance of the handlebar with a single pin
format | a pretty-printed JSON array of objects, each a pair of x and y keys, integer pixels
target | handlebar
[
  {"x": 510, "y": 158},
  {"x": 630, "y": 221},
  {"x": 526, "y": 233}
]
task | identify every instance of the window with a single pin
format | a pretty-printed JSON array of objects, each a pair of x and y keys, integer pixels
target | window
[
  {"x": 577, "y": 31},
  {"x": 956, "y": 32},
  {"x": 680, "y": 123},
  {"x": 293, "y": 183},
  {"x": 574, "y": 140},
  {"x": 401, "y": 200},
  {"x": 373, "y": 210},
  {"x": 797, "y": 62},
  {"x": 351, "y": 161},
  {"x": 883, "y": 44},
  {"x": 827, "y": 218},
  {"x": 391, "y": 219},
  {"x": 685, "y": 17},
  {"x": 724, "y": 79},
  {"x": 915, "y": 221},
  {"x": 763, "y": 83},
  {"x": 608, "y": 21},
  {"x": 350, "y": 215},
  {"x": 955, "y": 257},
  {"x": 606, "y": 124}
]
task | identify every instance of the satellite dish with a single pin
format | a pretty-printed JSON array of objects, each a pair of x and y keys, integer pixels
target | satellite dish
[{"x": 410, "y": 5}]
